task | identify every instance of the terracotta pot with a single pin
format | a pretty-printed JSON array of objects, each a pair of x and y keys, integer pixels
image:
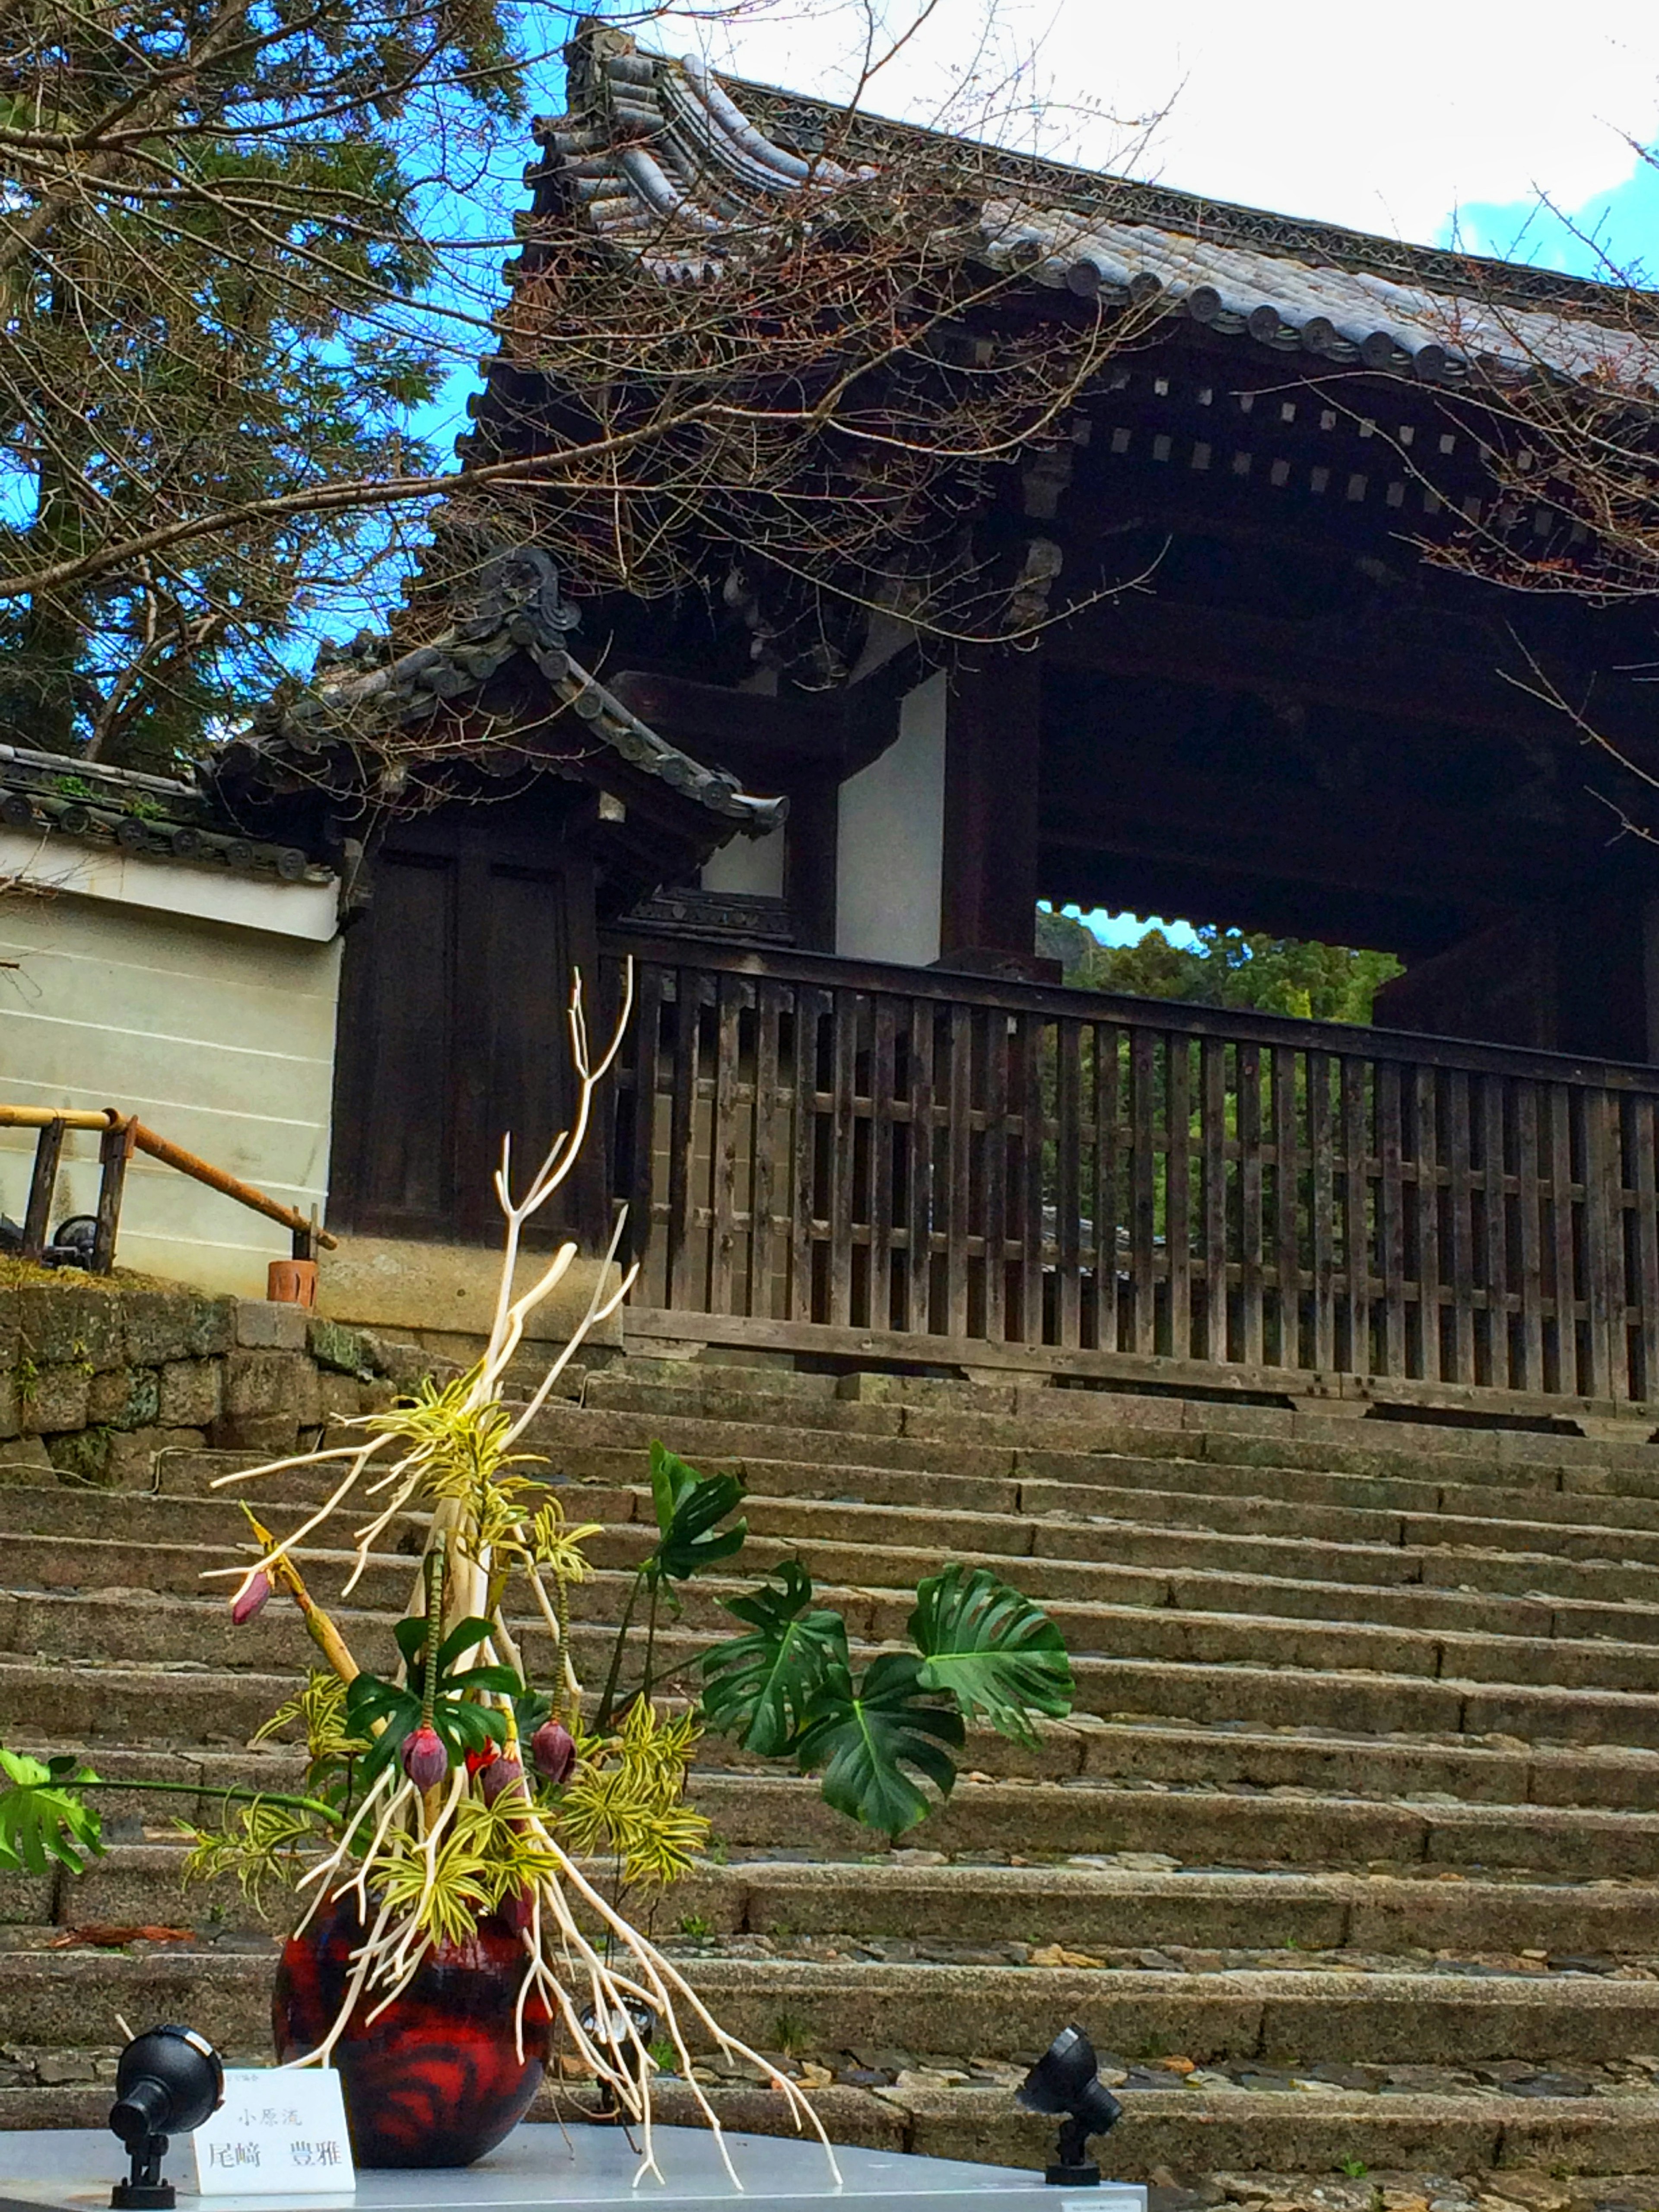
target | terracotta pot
[{"x": 436, "y": 2080}]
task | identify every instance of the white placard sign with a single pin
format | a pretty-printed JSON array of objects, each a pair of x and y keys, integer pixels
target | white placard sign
[{"x": 280, "y": 2132}]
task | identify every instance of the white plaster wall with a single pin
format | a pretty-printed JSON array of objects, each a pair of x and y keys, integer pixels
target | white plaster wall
[
  {"x": 752, "y": 865},
  {"x": 890, "y": 845},
  {"x": 220, "y": 1037}
]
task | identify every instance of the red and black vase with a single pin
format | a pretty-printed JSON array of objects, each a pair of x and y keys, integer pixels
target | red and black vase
[{"x": 436, "y": 2079}]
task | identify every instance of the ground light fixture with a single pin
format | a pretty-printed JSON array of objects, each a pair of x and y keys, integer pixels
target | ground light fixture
[
  {"x": 167, "y": 2081},
  {"x": 1065, "y": 2080}
]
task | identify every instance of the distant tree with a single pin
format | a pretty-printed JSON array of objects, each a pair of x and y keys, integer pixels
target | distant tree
[{"x": 1225, "y": 968}]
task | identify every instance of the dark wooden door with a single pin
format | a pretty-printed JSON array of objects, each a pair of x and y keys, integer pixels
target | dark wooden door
[{"x": 452, "y": 1029}]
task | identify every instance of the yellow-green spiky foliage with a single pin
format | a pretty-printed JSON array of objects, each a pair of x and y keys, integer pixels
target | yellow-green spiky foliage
[{"x": 628, "y": 1798}]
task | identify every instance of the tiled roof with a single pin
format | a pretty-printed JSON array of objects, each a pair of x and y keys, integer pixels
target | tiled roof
[
  {"x": 51, "y": 795},
  {"x": 362, "y": 690},
  {"x": 670, "y": 165}
]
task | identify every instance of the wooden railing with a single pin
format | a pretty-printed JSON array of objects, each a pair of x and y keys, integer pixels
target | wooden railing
[{"x": 814, "y": 1147}]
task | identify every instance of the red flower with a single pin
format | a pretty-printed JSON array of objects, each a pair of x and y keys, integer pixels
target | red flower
[
  {"x": 251, "y": 1599},
  {"x": 425, "y": 1760},
  {"x": 554, "y": 1750}
]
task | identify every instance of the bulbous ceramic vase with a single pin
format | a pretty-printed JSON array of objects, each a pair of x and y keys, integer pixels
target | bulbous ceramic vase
[{"x": 437, "y": 2079}]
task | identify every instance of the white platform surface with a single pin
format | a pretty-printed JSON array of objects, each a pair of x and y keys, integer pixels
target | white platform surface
[{"x": 587, "y": 2170}]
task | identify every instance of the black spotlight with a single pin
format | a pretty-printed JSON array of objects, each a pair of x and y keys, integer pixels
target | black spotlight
[
  {"x": 613, "y": 2037},
  {"x": 1067, "y": 2080},
  {"x": 167, "y": 2082}
]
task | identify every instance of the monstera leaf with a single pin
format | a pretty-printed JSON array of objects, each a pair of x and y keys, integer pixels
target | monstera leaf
[
  {"x": 758, "y": 1687},
  {"x": 689, "y": 1506},
  {"x": 40, "y": 1817},
  {"x": 991, "y": 1649},
  {"x": 863, "y": 1737}
]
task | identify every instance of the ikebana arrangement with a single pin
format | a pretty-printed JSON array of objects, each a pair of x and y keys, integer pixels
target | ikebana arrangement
[{"x": 449, "y": 1844}]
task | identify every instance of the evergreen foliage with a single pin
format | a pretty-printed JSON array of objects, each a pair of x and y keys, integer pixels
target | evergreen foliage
[{"x": 1225, "y": 968}]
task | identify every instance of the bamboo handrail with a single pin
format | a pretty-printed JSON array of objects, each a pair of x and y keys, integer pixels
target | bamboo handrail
[{"x": 106, "y": 1118}]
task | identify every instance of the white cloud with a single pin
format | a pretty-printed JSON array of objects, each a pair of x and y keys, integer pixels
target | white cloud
[{"x": 1385, "y": 119}]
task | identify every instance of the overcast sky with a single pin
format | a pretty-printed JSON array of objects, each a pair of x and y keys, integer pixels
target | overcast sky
[{"x": 1390, "y": 120}]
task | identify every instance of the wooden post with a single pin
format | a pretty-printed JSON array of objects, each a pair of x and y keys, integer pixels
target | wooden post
[
  {"x": 992, "y": 749},
  {"x": 115, "y": 1149},
  {"x": 37, "y": 1219}
]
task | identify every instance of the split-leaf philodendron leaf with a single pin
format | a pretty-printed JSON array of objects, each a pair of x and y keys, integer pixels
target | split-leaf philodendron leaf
[
  {"x": 789, "y": 1687},
  {"x": 41, "y": 1818}
]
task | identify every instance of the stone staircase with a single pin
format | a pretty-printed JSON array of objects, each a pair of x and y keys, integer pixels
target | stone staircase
[{"x": 1348, "y": 1861}]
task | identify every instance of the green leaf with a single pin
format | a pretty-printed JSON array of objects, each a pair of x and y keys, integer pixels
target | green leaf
[
  {"x": 758, "y": 1687},
  {"x": 42, "y": 1819},
  {"x": 689, "y": 1506},
  {"x": 863, "y": 1740},
  {"x": 464, "y": 1637},
  {"x": 991, "y": 1649}
]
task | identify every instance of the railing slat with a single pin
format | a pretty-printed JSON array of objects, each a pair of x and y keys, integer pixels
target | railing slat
[
  {"x": 763, "y": 1200},
  {"x": 1641, "y": 1122},
  {"x": 1287, "y": 1211},
  {"x": 1356, "y": 1218},
  {"x": 1213, "y": 1129},
  {"x": 809, "y": 1006},
  {"x": 1426, "y": 1127},
  {"x": 920, "y": 1153},
  {"x": 1462, "y": 1223},
  {"x": 1108, "y": 1201},
  {"x": 1565, "y": 1269},
  {"x": 682, "y": 1140},
  {"x": 996, "y": 1175},
  {"x": 1529, "y": 1223},
  {"x": 1250, "y": 1333},
  {"x": 1177, "y": 1193},
  {"x": 1495, "y": 1212},
  {"x": 1030, "y": 1179},
  {"x": 1323, "y": 1170},
  {"x": 883, "y": 1062},
  {"x": 1391, "y": 1218},
  {"x": 724, "y": 1139},
  {"x": 847, "y": 1020},
  {"x": 1608, "y": 1376},
  {"x": 1143, "y": 1215},
  {"x": 958, "y": 1200}
]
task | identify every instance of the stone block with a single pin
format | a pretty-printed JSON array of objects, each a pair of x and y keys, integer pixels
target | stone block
[
  {"x": 158, "y": 1325},
  {"x": 9, "y": 1329},
  {"x": 22, "y": 1459},
  {"x": 59, "y": 1328},
  {"x": 274, "y": 1433},
  {"x": 131, "y": 1464},
  {"x": 339, "y": 1396},
  {"x": 269, "y": 1325},
  {"x": 124, "y": 1397},
  {"x": 11, "y": 1424},
  {"x": 192, "y": 1393},
  {"x": 212, "y": 1329},
  {"x": 53, "y": 1399},
  {"x": 344, "y": 1350},
  {"x": 264, "y": 1381},
  {"x": 81, "y": 1458},
  {"x": 399, "y": 1361}
]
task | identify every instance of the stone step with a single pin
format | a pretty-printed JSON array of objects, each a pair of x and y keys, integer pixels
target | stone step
[
  {"x": 1225, "y": 1756},
  {"x": 69, "y": 1999},
  {"x": 1207, "y": 1501},
  {"x": 44, "y": 1561},
  {"x": 1102, "y": 1909}
]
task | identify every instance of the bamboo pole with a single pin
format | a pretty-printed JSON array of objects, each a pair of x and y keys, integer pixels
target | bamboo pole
[{"x": 106, "y": 1118}]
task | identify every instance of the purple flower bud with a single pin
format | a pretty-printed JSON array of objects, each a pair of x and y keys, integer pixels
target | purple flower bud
[
  {"x": 503, "y": 1773},
  {"x": 554, "y": 1750},
  {"x": 425, "y": 1760},
  {"x": 251, "y": 1600}
]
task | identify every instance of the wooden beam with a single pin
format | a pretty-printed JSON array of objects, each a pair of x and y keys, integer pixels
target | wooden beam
[
  {"x": 1351, "y": 840},
  {"x": 1319, "y": 663},
  {"x": 993, "y": 751},
  {"x": 764, "y": 733}
]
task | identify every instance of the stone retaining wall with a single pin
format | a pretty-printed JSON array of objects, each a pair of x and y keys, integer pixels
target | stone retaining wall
[{"x": 94, "y": 1384}]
